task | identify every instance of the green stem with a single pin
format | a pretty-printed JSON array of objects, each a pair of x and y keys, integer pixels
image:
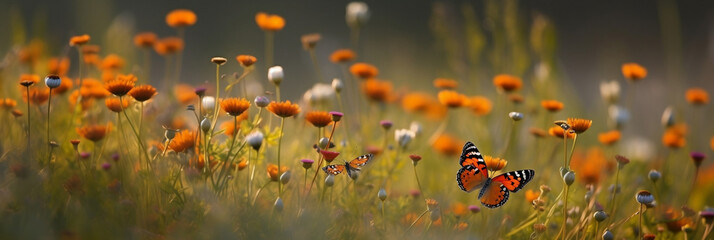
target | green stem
[
  {"x": 49, "y": 103},
  {"x": 314, "y": 63},
  {"x": 417, "y": 179},
  {"x": 639, "y": 232},
  {"x": 280, "y": 141},
  {"x": 29, "y": 98},
  {"x": 417, "y": 220},
  {"x": 269, "y": 35},
  {"x": 138, "y": 138},
  {"x": 563, "y": 228}
]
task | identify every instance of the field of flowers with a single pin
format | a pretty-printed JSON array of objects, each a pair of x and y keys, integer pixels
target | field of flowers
[{"x": 94, "y": 147}]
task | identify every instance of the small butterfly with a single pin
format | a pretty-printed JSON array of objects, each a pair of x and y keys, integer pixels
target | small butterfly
[
  {"x": 494, "y": 191},
  {"x": 352, "y": 166}
]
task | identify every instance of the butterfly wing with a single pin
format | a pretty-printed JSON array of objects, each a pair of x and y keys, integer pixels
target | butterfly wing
[
  {"x": 334, "y": 169},
  {"x": 470, "y": 178},
  {"x": 359, "y": 162},
  {"x": 515, "y": 180},
  {"x": 470, "y": 156},
  {"x": 493, "y": 194}
]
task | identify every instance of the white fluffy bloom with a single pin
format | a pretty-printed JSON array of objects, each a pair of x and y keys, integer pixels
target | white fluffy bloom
[
  {"x": 357, "y": 14},
  {"x": 275, "y": 75},
  {"x": 403, "y": 136}
]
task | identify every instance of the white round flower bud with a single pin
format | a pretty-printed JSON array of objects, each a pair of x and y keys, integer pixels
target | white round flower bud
[
  {"x": 337, "y": 85},
  {"x": 53, "y": 81},
  {"x": 275, "y": 75}
]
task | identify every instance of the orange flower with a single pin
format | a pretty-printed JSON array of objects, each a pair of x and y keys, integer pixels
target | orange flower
[
  {"x": 142, "y": 93},
  {"x": 364, "y": 70},
  {"x": 37, "y": 96},
  {"x": 112, "y": 62},
  {"x": 94, "y": 133},
  {"x": 590, "y": 167},
  {"x": 58, "y": 66},
  {"x": 342, "y": 56},
  {"x": 377, "y": 90},
  {"x": 121, "y": 85},
  {"x": 697, "y": 96},
  {"x": 416, "y": 101},
  {"x": 86, "y": 101},
  {"x": 246, "y": 60},
  {"x": 507, "y": 83},
  {"x": 16, "y": 113},
  {"x": 235, "y": 106},
  {"x": 447, "y": 144},
  {"x": 229, "y": 127},
  {"x": 609, "y": 138},
  {"x": 579, "y": 125},
  {"x": 451, "y": 99},
  {"x": 436, "y": 111},
  {"x": 410, "y": 218},
  {"x": 445, "y": 83},
  {"x": 9, "y": 103},
  {"x": 185, "y": 94},
  {"x": 674, "y": 136},
  {"x": 145, "y": 39},
  {"x": 557, "y": 131},
  {"x": 168, "y": 45},
  {"x": 181, "y": 18},
  {"x": 480, "y": 105},
  {"x": 242, "y": 165},
  {"x": 29, "y": 78},
  {"x": 459, "y": 209},
  {"x": 674, "y": 220},
  {"x": 273, "y": 171},
  {"x": 633, "y": 71},
  {"x": 319, "y": 119},
  {"x": 284, "y": 109},
  {"x": 494, "y": 163},
  {"x": 269, "y": 22},
  {"x": 552, "y": 105},
  {"x": 32, "y": 52},
  {"x": 113, "y": 104},
  {"x": 461, "y": 226},
  {"x": 184, "y": 140},
  {"x": 531, "y": 195},
  {"x": 79, "y": 40},
  {"x": 90, "y": 49},
  {"x": 65, "y": 86}
]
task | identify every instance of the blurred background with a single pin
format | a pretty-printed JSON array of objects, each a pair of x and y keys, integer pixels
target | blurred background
[{"x": 412, "y": 42}]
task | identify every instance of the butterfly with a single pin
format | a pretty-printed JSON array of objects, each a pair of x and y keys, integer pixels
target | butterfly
[
  {"x": 494, "y": 191},
  {"x": 352, "y": 166}
]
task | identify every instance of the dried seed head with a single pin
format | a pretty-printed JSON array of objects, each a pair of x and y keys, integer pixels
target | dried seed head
[
  {"x": 219, "y": 60},
  {"x": 644, "y": 197}
]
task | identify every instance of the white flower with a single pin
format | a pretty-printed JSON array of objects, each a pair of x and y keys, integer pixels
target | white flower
[
  {"x": 403, "y": 136},
  {"x": 415, "y": 127},
  {"x": 357, "y": 14},
  {"x": 337, "y": 85},
  {"x": 610, "y": 91},
  {"x": 275, "y": 75},
  {"x": 208, "y": 103}
]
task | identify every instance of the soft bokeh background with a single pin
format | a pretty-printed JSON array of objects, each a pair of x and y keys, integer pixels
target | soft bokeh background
[{"x": 673, "y": 39}]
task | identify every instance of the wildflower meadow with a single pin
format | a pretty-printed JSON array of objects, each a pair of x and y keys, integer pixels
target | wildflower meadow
[{"x": 131, "y": 133}]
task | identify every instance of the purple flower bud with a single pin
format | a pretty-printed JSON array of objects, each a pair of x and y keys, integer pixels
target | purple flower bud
[
  {"x": 200, "y": 91},
  {"x": 106, "y": 166},
  {"x": 474, "y": 208},
  {"x": 386, "y": 124},
  {"x": 336, "y": 116},
  {"x": 84, "y": 155},
  {"x": 261, "y": 101},
  {"x": 697, "y": 157},
  {"x": 115, "y": 157},
  {"x": 307, "y": 163}
]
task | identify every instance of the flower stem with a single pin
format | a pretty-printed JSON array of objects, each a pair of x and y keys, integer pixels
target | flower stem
[
  {"x": 269, "y": 35},
  {"x": 49, "y": 103},
  {"x": 639, "y": 231},
  {"x": 28, "y": 119},
  {"x": 417, "y": 220},
  {"x": 313, "y": 56},
  {"x": 417, "y": 179},
  {"x": 319, "y": 161},
  {"x": 138, "y": 138},
  {"x": 563, "y": 228},
  {"x": 280, "y": 141}
]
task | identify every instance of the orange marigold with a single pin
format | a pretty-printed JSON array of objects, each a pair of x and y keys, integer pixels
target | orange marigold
[
  {"x": 94, "y": 133},
  {"x": 609, "y": 138},
  {"x": 9, "y": 103},
  {"x": 269, "y": 22},
  {"x": 29, "y": 79},
  {"x": 113, "y": 104},
  {"x": 235, "y": 106},
  {"x": 142, "y": 93},
  {"x": 181, "y": 18},
  {"x": 184, "y": 140},
  {"x": 674, "y": 136},
  {"x": 552, "y": 105},
  {"x": 557, "y": 131},
  {"x": 58, "y": 66},
  {"x": 168, "y": 45},
  {"x": 697, "y": 96},
  {"x": 590, "y": 167},
  {"x": 445, "y": 83},
  {"x": 531, "y": 195},
  {"x": 364, "y": 70},
  {"x": 121, "y": 85},
  {"x": 633, "y": 71},
  {"x": 283, "y": 109},
  {"x": 112, "y": 62},
  {"x": 494, "y": 163},
  {"x": 480, "y": 105},
  {"x": 342, "y": 55},
  {"x": 579, "y": 125},
  {"x": 447, "y": 144},
  {"x": 507, "y": 83},
  {"x": 79, "y": 40},
  {"x": 273, "y": 171},
  {"x": 416, "y": 101},
  {"x": 145, "y": 39},
  {"x": 377, "y": 90},
  {"x": 246, "y": 60},
  {"x": 318, "y": 118},
  {"x": 451, "y": 99},
  {"x": 229, "y": 127}
]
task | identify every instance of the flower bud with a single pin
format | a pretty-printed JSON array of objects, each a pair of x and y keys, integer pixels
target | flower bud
[
  {"x": 539, "y": 228},
  {"x": 415, "y": 127},
  {"x": 474, "y": 209},
  {"x": 53, "y": 81},
  {"x": 330, "y": 180},
  {"x": 208, "y": 103},
  {"x": 569, "y": 178},
  {"x": 205, "y": 125},
  {"x": 644, "y": 197},
  {"x": 255, "y": 139},
  {"x": 275, "y": 75},
  {"x": 354, "y": 175},
  {"x": 357, "y": 14},
  {"x": 654, "y": 175},
  {"x": 668, "y": 117},
  {"x": 278, "y": 204},
  {"x": 307, "y": 163},
  {"x": 382, "y": 194},
  {"x": 336, "y": 116},
  {"x": 607, "y": 235},
  {"x": 600, "y": 216},
  {"x": 285, "y": 177},
  {"x": 261, "y": 101},
  {"x": 386, "y": 124},
  {"x": 337, "y": 85},
  {"x": 323, "y": 142},
  {"x": 515, "y": 116},
  {"x": 190, "y": 107}
]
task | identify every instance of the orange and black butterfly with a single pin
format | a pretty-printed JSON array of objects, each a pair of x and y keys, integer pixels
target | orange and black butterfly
[
  {"x": 494, "y": 191},
  {"x": 352, "y": 166}
]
